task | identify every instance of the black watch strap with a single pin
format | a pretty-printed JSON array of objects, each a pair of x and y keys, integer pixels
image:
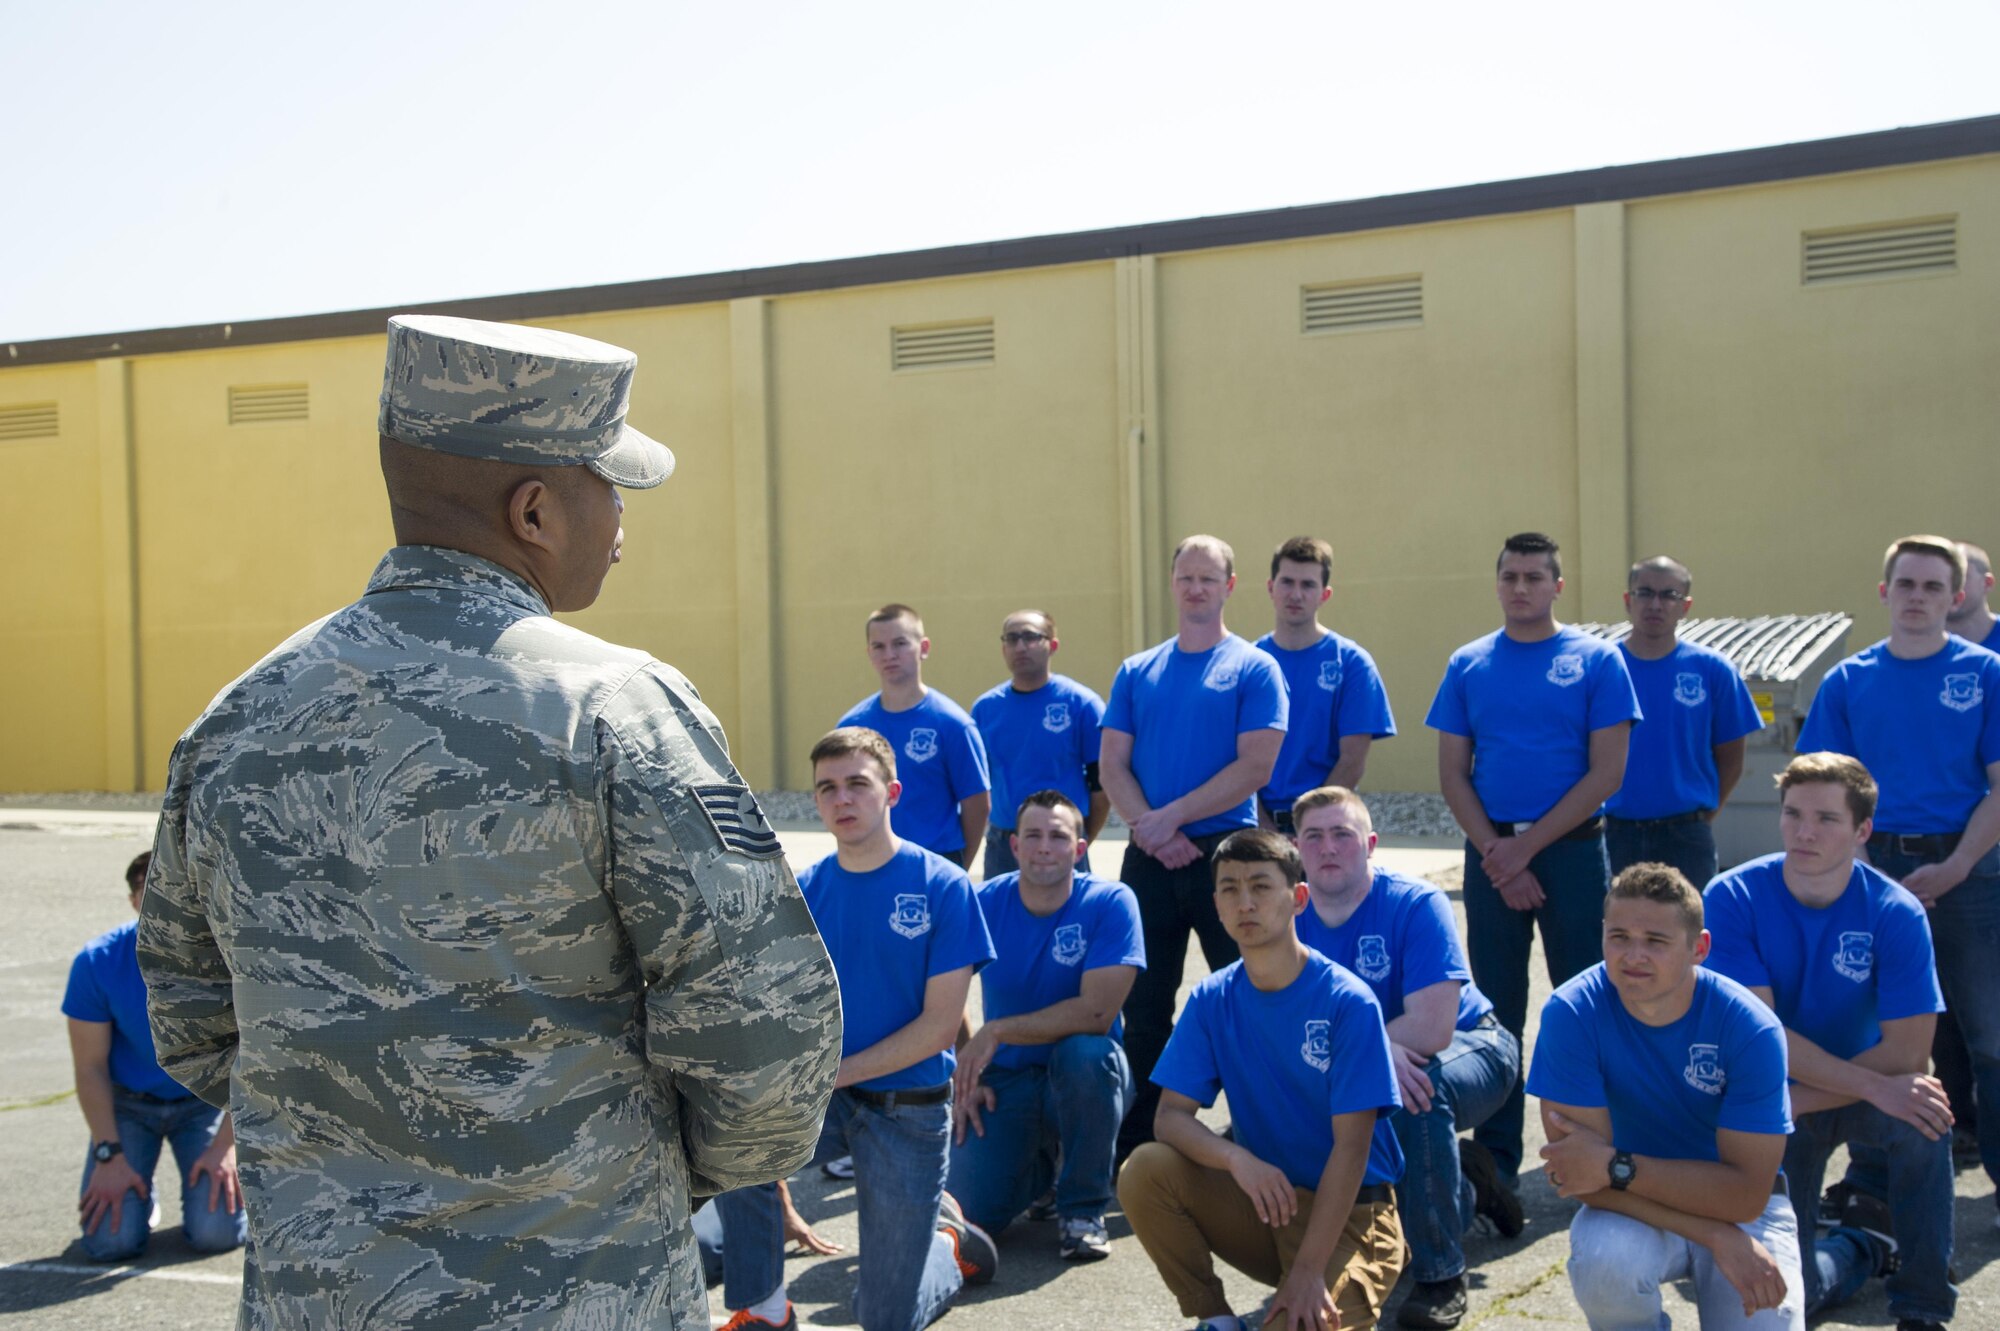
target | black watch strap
[
  {"x": 1621, "y": 1170},
  {"x": 104, "y": 1151}
]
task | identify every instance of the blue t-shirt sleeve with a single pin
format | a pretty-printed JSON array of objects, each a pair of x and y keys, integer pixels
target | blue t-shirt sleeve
[
  {"x": 1566, "y": 1069},
  {"x": 1989, "y": 735},
  {"x": 1612, "y": 697},
  {"x": 1755, "y": 1097},
  {"x": 1906, "y": 983},
  {"x": 1364, "y": 703},
  {"x": 962, "y": 936},
  {"x": 1262, "y": 702},
  {"x": 1826, "y": 729},
  {"x": 1448, "y": 712},
  {"x": 1363, "y": 1072},
  {"x": 1187, "y": 1064},
  {"x": 853, "y": 715},
  {"x": 1737, "y": 714},
  {"x": 1431, "y": 950},
  {"x": 1091, "y": 726},
  {"x": 84, "y": 999},
  {"x": 965, "y": 763},
  {"x": 1117, "y": 940},
  {"x": 1118, "y": 712},
  {"x": 1732, "y": 936}
]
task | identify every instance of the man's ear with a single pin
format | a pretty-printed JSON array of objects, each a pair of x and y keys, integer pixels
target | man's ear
[{"x": 529, "y": 513}]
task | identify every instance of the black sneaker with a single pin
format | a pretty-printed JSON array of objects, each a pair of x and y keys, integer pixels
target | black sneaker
[
  {"x": 1491, "y": 1197},
  {"x": 1434, "y": 1305},
  {"x": 1870, "y": 1215},
  {"x": 1918, "y": 1324},
  {"x": 1043, "y": 1207}
]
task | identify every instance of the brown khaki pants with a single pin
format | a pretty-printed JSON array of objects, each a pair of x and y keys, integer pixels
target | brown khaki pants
[{"x": 1186, "y": 1215}]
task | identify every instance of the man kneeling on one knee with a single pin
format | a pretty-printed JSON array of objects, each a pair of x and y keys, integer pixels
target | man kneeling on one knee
[
  {"x": 1043, "y": 1085},
  {"x": 1302, "y": 1198}
]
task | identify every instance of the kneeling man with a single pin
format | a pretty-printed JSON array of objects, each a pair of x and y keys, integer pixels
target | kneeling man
[
  {"x": 1663, "y": 1096},
  {"x": 1303, "y": 1196},
  {"x": 1044, "y": 1083}
]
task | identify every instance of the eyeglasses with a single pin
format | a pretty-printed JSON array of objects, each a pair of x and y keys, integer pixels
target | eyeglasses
[
  {"x": 1023, "y": 639},
  {"x": 1663, "y": 597}
]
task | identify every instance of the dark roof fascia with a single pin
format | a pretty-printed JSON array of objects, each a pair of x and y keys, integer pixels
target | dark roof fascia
[{"x": 1683, "y": 175}]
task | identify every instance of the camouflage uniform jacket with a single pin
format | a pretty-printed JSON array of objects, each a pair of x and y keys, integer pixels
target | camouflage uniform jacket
[{"x": 469, "y": 918}]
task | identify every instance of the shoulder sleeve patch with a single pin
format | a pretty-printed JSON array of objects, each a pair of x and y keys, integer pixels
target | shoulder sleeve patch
[{"x": 738, "y": 820}]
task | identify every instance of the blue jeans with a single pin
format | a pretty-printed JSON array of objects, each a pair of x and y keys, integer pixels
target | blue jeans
[
  {"x": 1688, "y": 846},
  {"x": 1472, "y": 1076},
  {"x": 908, "y": 1273},
  {"x": 144, "y": 1123},
  {"x": 1574, "y": 876},
  {"x": 1920, "y": 1208},
  {"x": 999, "y": 853},
  {"x": 741, "y": 1237},
  {"x": 1054, "y": 1123},
  {"x": 1617, "y": 1266}
]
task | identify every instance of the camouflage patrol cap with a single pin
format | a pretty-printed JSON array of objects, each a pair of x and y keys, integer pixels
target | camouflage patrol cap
[{"x": 509, "y": 393}]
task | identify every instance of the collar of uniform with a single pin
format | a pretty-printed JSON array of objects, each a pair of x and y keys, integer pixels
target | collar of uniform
[{"x": 413, "y": 566}]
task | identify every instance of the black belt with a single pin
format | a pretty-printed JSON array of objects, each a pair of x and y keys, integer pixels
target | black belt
[
  {"x": 1374, "y": 1194},
  {"x": 1918, "y": 845},
  {"x": 1587, "y": 830},
  {"x": 146, "y": 1097},
  {"x": 1281, "y": 818},
  {"x": 1671, "y": 820},
  {"x": 922, "y": 1095}
]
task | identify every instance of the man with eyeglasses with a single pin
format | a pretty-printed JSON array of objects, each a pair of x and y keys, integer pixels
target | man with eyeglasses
[
  {"x": 1686, "y": 752},
  {"x": 1042, "y": 732}
]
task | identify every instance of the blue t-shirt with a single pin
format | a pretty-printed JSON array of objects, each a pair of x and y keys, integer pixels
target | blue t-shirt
[
  {"x": 939, "y": 760},
  {"x": 1669, "y": 1088},
  {"x": 1040, "y": 740},
  {"x": 1398, "y": 940},
  {"x": 1693, "y": 700},
  {"x": 1925, "y": 730},
  {"x": 105, "y": 986},
  {"x": 1289, "y": 1062},
  {"x": 1332, "y": 689},
  {"x": 1837, "y": 972},
  {"x": 1184, "y": 711},
  {"x": 1992, "y": 643},
  {"x": 1529, "y": 709},
  {"x": 889, "y": 931},
  {"x": 1041, "y": 958}
]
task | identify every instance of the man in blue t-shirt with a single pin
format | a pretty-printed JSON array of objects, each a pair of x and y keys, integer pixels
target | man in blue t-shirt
[
  {"x": 905, "y": 935},
  {"x": 944, "y": 802},
  {"x": 1687, "y": 753},
  {"x": 1455, "y": 1063},
  {"x": 1042, "y": 1086},
  {"x": 1301, "y": 1194},
  {"x": 1338, "y": 707},
  {"x": 1921, "y": 710},
  {"x": 1842, "y": 954},
  {"x": 1533, "y": 722},
  {"x": 1190, "y": 735},
  {"x": 133, "y": 1108},
  {"x": 1041, "y": 732},
  {"x": 1662, "y": 1089},
  {"x": 1972, "y": 618}
]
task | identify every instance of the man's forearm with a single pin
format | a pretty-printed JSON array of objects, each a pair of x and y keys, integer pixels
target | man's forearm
[
  {"x": 972, "y": 814},
  {"x": 1728, "y": 769},
  {"x": 1241, "y": 779},
  {"x": 1353, "y": 761},
  {"x": 931, "y": 1033},
  {"x": 1982, "y": 833},
  {"x": 1333, "y": 1200},
  {"x": 1712, "y": 1189},
  {"x": 1849, "y": 1078},
  {"x": 1578, "y": 803},
  {"x": 1464, "y": 804},
  {"x": 1099, "y": 815},
  {"x": 94, "y": 1098},
  {"x": 1694, "y": 1228},
  {"x": 1072, "y": 1016},
  {"x": 1194, "y": 1139},
  {"x": 1122, "y": 788}
]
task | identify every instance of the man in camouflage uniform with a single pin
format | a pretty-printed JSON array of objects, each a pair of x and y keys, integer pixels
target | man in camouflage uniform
[{"x": 467, "y": 915}]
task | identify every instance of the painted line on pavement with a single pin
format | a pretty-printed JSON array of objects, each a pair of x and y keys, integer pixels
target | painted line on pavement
[{"x": 120, "y": 1272}]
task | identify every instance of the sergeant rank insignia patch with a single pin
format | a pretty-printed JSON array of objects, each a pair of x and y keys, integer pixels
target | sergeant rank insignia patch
[{"x": 738, "y": 820}]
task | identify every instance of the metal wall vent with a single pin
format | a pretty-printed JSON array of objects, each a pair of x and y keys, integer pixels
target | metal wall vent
[
  {"x": 1900, "y": 249},
  {"x": 30, "y": 420},
  {"x": 1340, "y": 307},
  {"x": 266, "y": 403},
  {"x": 939, "y": 346}
]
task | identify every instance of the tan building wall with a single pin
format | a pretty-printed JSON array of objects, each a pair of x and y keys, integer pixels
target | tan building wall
[{"x": 1630, "y": 376}]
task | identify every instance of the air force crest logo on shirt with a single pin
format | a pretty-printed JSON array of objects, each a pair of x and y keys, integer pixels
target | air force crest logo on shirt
[
  {"x": 1856, "y": 957},
  {"x": 1222, "y": 679},
  {"x": 922, "y": 745},
  {"x": 1329, "y": 675},
  {"x": 1371, "y": 957},
  {"x": 1317, "y": 1051},
  {"x": 1566, "y": 669},
  {"x": 1962, "y": 692},
  {"x": 1068, "y": 946},
  {"x": 1055, "y": 718},
  {"x": 912, "y": 916},
  {"x": 1704, "y": 1069},
  {"x": 1688, "y": 690}
]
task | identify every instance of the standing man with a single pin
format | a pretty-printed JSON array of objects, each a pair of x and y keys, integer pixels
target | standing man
[
  {"x": 467, "y": 913},
  {"x": 1921, "y": 711},
  {"x": 1043, "y": 1084},
  {"x": 1338, "y": 704},
  {"x": 1533, "y": 721},
  {"x": 1191, "y": 734},
  {"x": 1972, "y": 619},
  {"x": 1662, "y": 1088},
  {"x": 1300, "y": 1195},
  {"x": 1455, "y": 1063},
  {"x": 1842, "y": 954},
  {"x": 1687, "y": 754},
  {"x": 944, "y": 804},
  {"x": 1041, "y": 731}
]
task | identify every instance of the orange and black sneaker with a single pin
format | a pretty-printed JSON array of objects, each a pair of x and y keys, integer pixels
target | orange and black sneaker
[
  {"x": 977, "y": 1256},
  {"x": 745, "y": 1320}
]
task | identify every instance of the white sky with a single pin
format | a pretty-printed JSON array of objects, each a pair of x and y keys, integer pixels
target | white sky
[{"x": 207, "y": 162}]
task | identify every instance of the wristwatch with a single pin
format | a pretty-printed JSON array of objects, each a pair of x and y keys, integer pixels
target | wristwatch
[
  {"x": 103, "y": 1151},
  {"x": 1621, "y": 1170}
]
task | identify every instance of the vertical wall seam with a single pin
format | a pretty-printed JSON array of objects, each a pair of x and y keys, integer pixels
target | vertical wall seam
[
  {"x": 760, "y": 731},
  {"x": 124, "y": 728}
]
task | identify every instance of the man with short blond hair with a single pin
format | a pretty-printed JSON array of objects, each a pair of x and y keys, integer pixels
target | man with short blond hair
[
  {"x": 1972, "y": 618},
  {"x": 1042, "y": 731}
]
